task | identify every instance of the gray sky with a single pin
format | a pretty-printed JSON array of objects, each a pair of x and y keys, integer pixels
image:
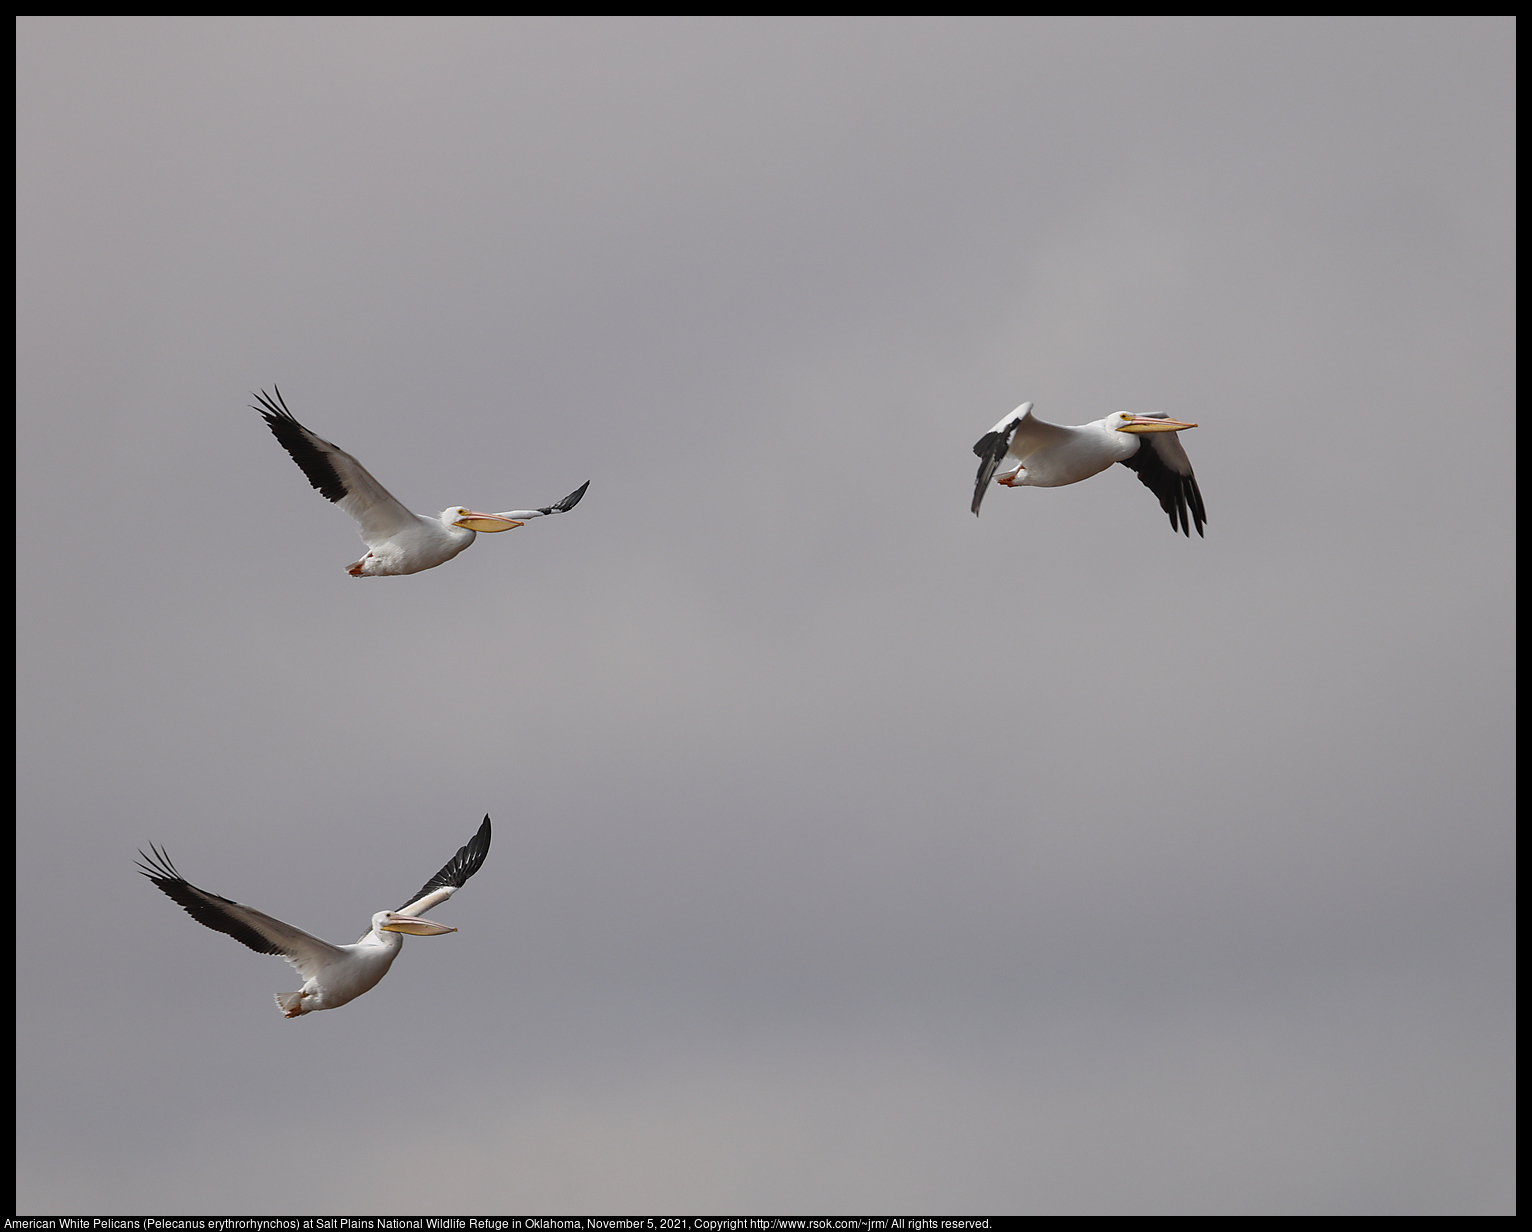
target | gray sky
[{"x": 851, "y": 855}]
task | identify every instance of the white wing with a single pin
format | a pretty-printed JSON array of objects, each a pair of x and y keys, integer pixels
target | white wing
[
  {"x": 1032, "y": 434},
  {"x": 563, "y": 506}
]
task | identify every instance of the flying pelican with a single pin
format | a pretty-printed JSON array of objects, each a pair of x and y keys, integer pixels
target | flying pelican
[
  {"x": 335, "y": 974},
  {"x": 1045, "y": 455},
  {"x": 397, "y": 540}
]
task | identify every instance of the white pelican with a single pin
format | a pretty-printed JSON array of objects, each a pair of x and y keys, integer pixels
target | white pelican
[
  {"x": 335, "y": 974},
  {"x": 397, "y": 540},
  {"x": 1045, "y": 455}
]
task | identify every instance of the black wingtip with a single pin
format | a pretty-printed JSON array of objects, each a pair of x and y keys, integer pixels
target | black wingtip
[
  {"x": 989, "y": 449},
  {"x": 569, "y": 502},
  {"x": 201, "y": 905},
  {"x": 296, "y": 439},
  {"x": 270, "y": 408},
  {"x": 475, "y": 849},
  {"x": 158, "y": 866},
  {"x": 466, "y": 861},
  {"x": 1177, "y": 493}
]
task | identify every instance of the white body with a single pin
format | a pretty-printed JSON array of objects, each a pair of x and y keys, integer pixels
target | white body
[
  {"x": 1045, "y": 455},
  {"x": 335, "y": 974},
  {"x": 409, "y": 547}
]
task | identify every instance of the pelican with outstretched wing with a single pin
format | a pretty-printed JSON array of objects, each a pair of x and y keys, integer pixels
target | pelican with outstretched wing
[
  {"x": 1026, "y": 452},
  {"x": 397, "y": 540},
  {"x": 333, "y": 974}
]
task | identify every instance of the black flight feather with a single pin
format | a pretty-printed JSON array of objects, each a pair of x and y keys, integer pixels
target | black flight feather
[
  {"x": 458, "y": 869},
  {"x": 991, "y": 449},
  {"x": 294, "y": 438},
  {"x": 1178, "y": 493},
  {"x": 569, "y": 502},
  {"x": 162, "y": 872}
]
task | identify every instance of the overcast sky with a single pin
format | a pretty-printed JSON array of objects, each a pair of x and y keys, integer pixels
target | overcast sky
[{"x": 851, "y": 855}]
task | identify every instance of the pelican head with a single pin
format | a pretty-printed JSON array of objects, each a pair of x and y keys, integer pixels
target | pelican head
[
  {"x": 393, "y": 922},
  {"x": 485, "y": 523},
  {"x": 1123, "y": 421}
]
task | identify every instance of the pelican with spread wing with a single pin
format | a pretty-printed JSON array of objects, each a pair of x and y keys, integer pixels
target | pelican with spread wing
[
  {"x": 333, "y": 974},
  {"x": 1026, "y": 452},
  {"x": 397, "y": 540}
]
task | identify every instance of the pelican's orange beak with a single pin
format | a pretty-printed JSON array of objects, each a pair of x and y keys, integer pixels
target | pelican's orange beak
[
  {"x": 1143, "y": 423},
  {"x": 415, "y": 925},
  {"x": 486, "y": 523}
]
